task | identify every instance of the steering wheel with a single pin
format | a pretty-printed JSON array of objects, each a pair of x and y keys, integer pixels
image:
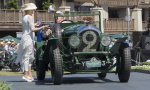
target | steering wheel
[{"x": 67, "y": 21}]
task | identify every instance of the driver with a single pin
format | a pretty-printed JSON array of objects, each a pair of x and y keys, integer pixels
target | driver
[
  {"x": 59, "y": 19},
  {"x": 48, "y": 31}
]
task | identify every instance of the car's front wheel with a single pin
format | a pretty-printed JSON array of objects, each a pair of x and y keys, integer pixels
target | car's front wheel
[
  {"x": 124, "y": 72},
  {"x": 1, "y": 68},
  {"x": 40, "y": 68},
  {"x": 56, "y": 65}
]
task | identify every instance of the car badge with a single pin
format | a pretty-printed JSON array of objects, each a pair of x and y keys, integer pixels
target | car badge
[{"x": 89, "y": 26}]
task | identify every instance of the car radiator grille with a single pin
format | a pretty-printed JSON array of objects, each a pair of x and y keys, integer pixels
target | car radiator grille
[{"x": 90, "y": 43}]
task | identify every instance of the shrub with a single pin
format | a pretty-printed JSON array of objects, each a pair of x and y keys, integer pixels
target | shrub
[
  {"x": 145, "y": 63},
  {"x": 3, "y": 85},
  {"x": 46, "y": 5},
  {"x": 12, "y": 4}
]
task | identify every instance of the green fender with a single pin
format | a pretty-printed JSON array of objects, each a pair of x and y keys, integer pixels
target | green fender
[
  {"x": 116, "y": 47},
  {"x": 13, "y": 57},
  {"x": 51, "y": 42}
]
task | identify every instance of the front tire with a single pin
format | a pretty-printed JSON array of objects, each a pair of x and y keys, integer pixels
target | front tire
[
  {"x": 56, "y": 65},
  {"x": 1, "y": 68},
  {"x": 124, "y": 72},
  {"x": 40, "y": 68}
]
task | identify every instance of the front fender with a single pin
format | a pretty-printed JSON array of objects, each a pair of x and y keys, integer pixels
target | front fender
[
  {"x": 52, "y": 41},
  {"x": 116, "y": 47},
  {"x": 13, "y": 57}
]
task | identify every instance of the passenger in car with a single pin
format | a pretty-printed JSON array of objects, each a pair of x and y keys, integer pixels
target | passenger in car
[{"x": 87, "y": 19}]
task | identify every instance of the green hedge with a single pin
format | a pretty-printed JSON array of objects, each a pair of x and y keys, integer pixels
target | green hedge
[
  {"x": 145, "y": 63},
  {"x": 3, "y": 86}
]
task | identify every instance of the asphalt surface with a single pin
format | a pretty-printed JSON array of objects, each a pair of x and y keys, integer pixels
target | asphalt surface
[{"x": 137, "y": 81}]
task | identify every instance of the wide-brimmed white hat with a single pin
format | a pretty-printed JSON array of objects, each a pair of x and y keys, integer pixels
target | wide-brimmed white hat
[{"x": 28, "y": 6}]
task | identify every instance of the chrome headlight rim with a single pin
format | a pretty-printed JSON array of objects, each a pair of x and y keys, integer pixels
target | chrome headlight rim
[
  {"x": 79, "y": 42},
  {"x": 102, "y": 40}
]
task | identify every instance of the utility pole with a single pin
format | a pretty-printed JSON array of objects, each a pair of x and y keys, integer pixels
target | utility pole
[{"x": 128, "y": 18}]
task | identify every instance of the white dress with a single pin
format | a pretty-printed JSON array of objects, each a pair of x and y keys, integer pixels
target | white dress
[{"x": 25, "y": 49}]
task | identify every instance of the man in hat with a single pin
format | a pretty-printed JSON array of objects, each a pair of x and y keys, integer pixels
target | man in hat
[
  {"x": 1, "y": 40},
  {"x": 1, "y": 47},
  {"x": 59, "y": 19},
  {"x": 6, "y": 41},
  {"x": 47, "y": 31},
  {"x": 7, "y": 46}
]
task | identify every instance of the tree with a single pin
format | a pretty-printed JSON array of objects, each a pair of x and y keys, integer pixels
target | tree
[
  {"x": 12, "y": 4},
  {"x": 46, "y": 5}
]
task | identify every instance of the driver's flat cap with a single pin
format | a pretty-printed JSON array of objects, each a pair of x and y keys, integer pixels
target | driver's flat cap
[{"x": 59, "y": 12}]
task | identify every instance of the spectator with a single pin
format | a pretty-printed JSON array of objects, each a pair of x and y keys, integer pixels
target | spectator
[
  {"x": 51, "y": 8},
  {"x": 1, "y": 46},
  {"x": 126, "y": 41},
  {"x": 112, "y": 43},
  {"x": 6, "y": 41},
  {"x": 7, "y": 46},
  {"x": 130, "y": 44}
]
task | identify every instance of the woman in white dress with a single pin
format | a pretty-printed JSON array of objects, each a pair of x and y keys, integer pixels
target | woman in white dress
[{"x": 25, "y": 49}]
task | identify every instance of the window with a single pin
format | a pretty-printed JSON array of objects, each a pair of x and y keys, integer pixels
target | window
[
  {"x": 82, "y": 8},
  {"x": 113, "y": 14}
]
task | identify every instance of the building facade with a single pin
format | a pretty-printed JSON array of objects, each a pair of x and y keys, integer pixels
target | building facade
[{"x": 113, "y": 12}]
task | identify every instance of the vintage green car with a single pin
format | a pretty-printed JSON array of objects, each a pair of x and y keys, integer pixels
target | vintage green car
[{"x": 76, "y": 47}]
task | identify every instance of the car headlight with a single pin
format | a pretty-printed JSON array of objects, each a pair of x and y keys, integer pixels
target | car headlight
[
  {"x": 74, "y": 41},
  {"x": 105, "y": 40}
]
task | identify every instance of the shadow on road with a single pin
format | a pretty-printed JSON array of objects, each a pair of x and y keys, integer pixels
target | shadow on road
[{"x": 76, "y": 80}]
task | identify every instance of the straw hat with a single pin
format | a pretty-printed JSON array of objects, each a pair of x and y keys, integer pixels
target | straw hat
[
  {"x": 28, "y": 6},
  {"x": 1, "y": 43}
]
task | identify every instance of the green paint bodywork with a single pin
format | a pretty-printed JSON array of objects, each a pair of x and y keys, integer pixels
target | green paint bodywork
[{"x": 7, "y": 62}]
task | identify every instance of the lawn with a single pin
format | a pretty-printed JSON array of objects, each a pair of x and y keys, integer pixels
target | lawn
[{"x": 10, "y": 73}]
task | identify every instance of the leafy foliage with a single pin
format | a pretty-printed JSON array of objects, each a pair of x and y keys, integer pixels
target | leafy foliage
[
  {"x": 46, "y": 5},
  {"x": 3, "y": 85},
  {"x": 146, "y": 67},
  {"x": 12, "y": 4},
  {"x": 145, "y": 63}
]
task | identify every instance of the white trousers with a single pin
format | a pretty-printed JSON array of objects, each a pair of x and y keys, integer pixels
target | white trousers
[{"x": 27, "y": 58}]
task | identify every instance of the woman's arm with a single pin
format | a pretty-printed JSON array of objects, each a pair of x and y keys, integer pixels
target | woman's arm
[
  {"x": 37, "y": 29},
  {"x": 32, "y": 25}
]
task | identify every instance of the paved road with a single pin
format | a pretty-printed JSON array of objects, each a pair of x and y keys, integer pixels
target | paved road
[{"x": 138, "y": 81}]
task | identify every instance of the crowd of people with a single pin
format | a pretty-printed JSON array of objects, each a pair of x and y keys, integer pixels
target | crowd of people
[{"x": 8, "y": 45}]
